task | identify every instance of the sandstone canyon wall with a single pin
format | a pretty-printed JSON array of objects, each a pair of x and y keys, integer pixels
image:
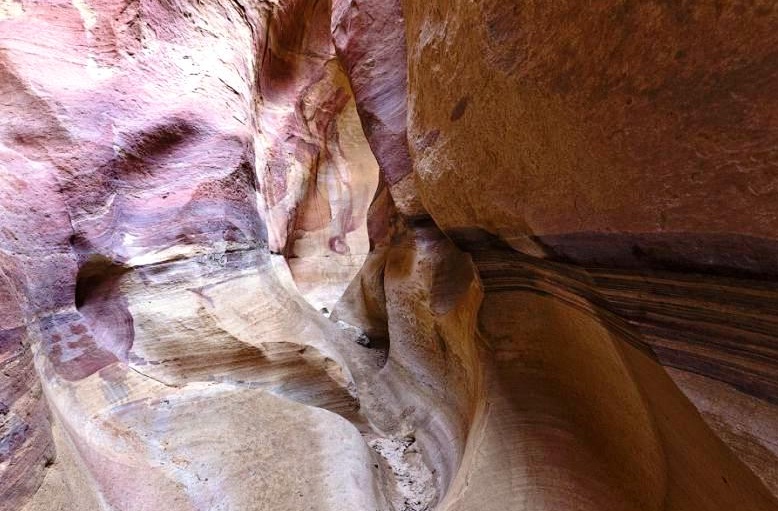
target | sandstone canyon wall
[{"x": 388, "y": 255}]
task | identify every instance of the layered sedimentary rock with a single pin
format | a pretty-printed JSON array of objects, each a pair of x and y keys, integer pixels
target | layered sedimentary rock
[
  {"x": 387, "y": 255},
  {"x": 624, "y": 134},
  {"x": 633, "y": 141},
  {"x": 139, "y": 223}
]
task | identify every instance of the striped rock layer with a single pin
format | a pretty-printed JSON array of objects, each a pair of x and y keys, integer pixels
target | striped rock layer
[{"x": 388, "y": 255}]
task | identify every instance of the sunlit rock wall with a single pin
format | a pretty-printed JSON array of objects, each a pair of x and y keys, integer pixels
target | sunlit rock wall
[{"x": 387, "y": 255}]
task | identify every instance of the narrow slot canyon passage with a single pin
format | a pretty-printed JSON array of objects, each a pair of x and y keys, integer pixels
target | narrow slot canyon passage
[
  {"x": 330, "y": 240},
  {"x": 388, "y": 255}
]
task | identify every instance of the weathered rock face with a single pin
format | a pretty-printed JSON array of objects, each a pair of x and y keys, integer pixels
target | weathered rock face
[
  {"x": 628, "y": 140},
  {"x": 627, "y": 134},
  {"x": 387, "y": 255},
  {"x": 317, "y": 174},
  {"x": 141, "y": 205}
]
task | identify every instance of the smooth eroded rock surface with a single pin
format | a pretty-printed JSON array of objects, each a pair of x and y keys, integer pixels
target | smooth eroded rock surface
[{"x": 388, "y": 255}]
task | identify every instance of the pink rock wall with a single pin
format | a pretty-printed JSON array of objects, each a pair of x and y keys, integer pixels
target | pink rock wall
[{"x": 545, "y": 235}]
